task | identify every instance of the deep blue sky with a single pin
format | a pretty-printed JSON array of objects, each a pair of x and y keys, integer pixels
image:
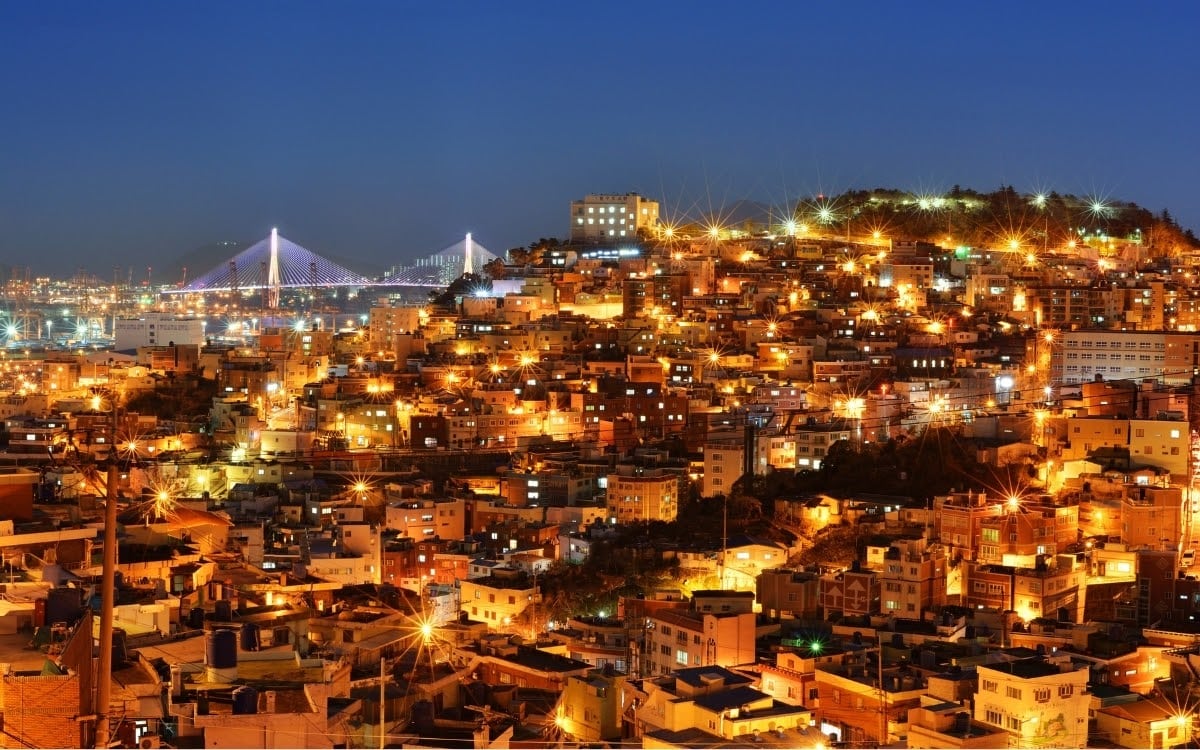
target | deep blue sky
[{"x": 133, "y": 133}]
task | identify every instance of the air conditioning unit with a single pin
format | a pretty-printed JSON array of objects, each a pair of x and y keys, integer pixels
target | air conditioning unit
[{"x": 150, "y": 742}]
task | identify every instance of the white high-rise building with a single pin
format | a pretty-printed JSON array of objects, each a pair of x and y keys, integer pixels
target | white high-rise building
[
  {"x": 603, "y": 217},
  {"x": 157, "y": 329},
  {"x": 1080, "y": 356}
]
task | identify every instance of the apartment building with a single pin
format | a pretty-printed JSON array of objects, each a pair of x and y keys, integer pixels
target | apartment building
[
  {"x": 786, "y": 593},
  {"x": 157, "y": 329},
  {"x": 1075, "y": 305},
  {"x": 612, "y": 217},
  {"x": 988, "y": 290},
  {"x": 1055, "y": 587},
  {"x": 959, "y": 517},
  {"x": 724, "y": 462},
  {"x": 591, "y": 706},
  {"x": 641, "y": 497},
  {"x": 850, "y": 592},
  {"x": 1161, "y": 443},
  {"x": 679, "y": 638},
  {"x": 813, "y": 440},
  {"x": 1026, "y": 529},
  {"x": 1082, "y": 355},
  {"x": 384, "y": 323},
  {"x": 1151, "y": 517},
  {"x": 1039, "y": 702},
  {"x": 912, "y": 578},
  {"x": 428, "y": 518},
  {"x": 859, "y": 708}
]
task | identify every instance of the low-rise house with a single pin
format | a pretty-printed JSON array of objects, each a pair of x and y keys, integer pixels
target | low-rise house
[
  {"x": 782, "y": 592},
  {"x": 1146, "y": 723},
  {"x": 940, "y": 725},
  {"x": 712, "y": 707},
  {"x": 498, "y": 599},
  {"x": 590, "y": 706}
]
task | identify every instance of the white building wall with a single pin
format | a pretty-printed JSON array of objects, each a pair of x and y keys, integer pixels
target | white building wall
[{"x": 157, "y": 329}]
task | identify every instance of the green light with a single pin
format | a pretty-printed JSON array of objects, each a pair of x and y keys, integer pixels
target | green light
[{"x": 815, "y": 647}]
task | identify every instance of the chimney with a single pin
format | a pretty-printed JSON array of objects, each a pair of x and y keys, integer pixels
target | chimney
[{"x": 482, "y": 737}]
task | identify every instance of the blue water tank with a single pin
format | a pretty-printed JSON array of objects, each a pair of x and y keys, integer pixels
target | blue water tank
[
  {"x": 249, "y": 637},
  {"x": 196, "y": 618},
  {"x": 245, "y": 700},
  {"x": 221, "y": 649},
  {"x": 223, "y": 610},
  {"x": 63, "y": 604},
  {"x": 120, "y": 646}
]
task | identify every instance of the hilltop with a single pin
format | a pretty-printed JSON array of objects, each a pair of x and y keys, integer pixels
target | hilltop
[{"x": 996, "y": 219}]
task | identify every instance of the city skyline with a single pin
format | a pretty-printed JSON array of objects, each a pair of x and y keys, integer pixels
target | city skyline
[
  {"x": 858, "y": 406},
  {"x": 384, "y": 133}
]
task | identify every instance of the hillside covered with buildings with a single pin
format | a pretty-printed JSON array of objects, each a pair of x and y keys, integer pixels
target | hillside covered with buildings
[{"x": 887, "y": 470}]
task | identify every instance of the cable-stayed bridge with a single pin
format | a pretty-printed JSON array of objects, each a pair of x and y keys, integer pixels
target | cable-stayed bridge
[
  {"x": 277, "y": 263},
  {"x": 444, "y": 266}
]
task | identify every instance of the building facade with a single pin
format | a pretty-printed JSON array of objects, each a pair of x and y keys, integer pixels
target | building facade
[{"x": 611, "y": 217}]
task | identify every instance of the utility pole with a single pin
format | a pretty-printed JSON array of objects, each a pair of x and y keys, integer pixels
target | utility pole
[
  {"x": 883, "y": 712},
  {"x": 382, "y": 703},
  {"x": 724, "y": 542},
  {"x": 107, "y": 586}
]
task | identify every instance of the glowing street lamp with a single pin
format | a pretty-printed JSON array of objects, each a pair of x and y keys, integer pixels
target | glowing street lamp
[{"x": 163, "y": 503}]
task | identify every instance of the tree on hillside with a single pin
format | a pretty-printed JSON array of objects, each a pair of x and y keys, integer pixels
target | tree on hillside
[
  {"x": 495, "y": 269},
  {"x": 467, "y": 284}
]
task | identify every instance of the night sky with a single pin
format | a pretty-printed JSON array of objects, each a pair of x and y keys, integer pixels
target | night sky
[{"x": 134, "y": 133}]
